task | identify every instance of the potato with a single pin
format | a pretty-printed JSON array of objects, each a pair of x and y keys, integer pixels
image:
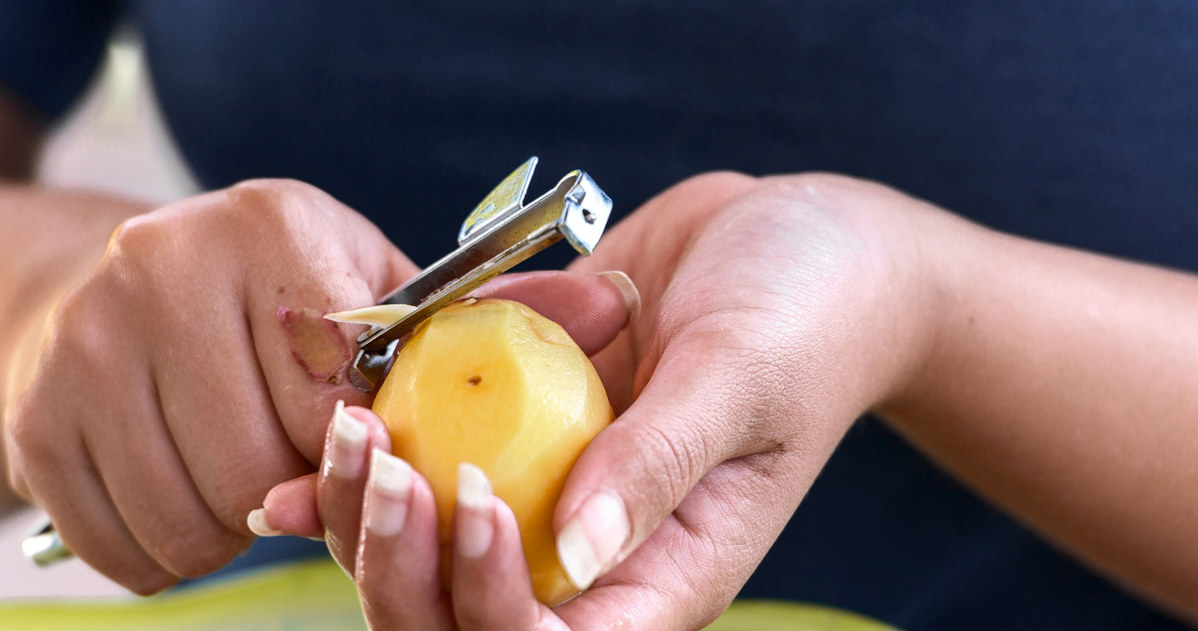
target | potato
[{"x": 493, "y": 383}]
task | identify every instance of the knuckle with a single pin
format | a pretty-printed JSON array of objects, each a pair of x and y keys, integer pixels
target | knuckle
[
  {"x": 232, "y": 494},
  {"x": 137, "y": 267},
  {"x": 271, "y": 202},
  {"x": 18, "y": 484},
  {"x": 32, "y": 439},
  {"x": 232, "y": 510},
  {"x": 84, "y": 341},
  {"x": 140, "y": 243},
  {"x": 182, "y": 556},
  {"x": 288, "y": 215},
  {"x": 148, "y": 583},
  {"x": 676, "y": 456},
  {"x": 471, "y": 617},
  {"x": 16, "y": 437},
  {"x": 20, "y": 449}
]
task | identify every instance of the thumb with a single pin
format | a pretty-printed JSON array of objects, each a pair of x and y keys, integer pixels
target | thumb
[
  {"x": 636, "y": 472},
  {"x": 592, "y": 308}
]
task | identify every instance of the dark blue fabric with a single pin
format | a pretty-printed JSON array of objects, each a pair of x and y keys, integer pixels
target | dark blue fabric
[
  {"x": 1073, "y": 121},
  {"x": 49, "y": 49}
]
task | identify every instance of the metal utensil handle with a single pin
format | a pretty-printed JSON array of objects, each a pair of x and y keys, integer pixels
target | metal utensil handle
[{"x": 44, "y": 547}]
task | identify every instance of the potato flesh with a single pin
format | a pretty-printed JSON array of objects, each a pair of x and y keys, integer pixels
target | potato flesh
[{"x": 497, "y": 385}]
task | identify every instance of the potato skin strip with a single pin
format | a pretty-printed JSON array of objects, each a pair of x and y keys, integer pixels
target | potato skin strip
[{"x": 378, "y": 315}]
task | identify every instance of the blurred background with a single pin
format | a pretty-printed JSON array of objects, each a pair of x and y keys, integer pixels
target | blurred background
[{"x": 115, "y": 140}]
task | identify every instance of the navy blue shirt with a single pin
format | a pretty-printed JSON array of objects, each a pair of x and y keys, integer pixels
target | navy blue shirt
[{"x": 1073, "y": 121}]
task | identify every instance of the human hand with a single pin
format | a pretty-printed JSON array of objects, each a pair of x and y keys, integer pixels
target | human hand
[
  {"x": 166, "y": 399},
  {"x": 1056, "y": 383},
  {"x": 774, "y": 312}
]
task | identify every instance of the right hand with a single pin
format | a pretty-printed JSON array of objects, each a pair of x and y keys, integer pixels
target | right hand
[{"x": 165, "y": 401}]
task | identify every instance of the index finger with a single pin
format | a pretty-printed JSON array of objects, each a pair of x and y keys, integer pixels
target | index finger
[{"x": 303, "y": 356}]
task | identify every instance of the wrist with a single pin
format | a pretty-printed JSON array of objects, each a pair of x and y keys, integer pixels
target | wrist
[
  {"x": 936, "y": 245},
  {"x": 911, "y": 247}
]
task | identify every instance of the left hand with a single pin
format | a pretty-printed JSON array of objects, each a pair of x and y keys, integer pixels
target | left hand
[{"x": 775, "y": 312}]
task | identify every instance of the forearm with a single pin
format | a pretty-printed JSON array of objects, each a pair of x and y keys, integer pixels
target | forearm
[
  {"x": 49, "y": 240},
  {"x": 1064, "y": 386}
]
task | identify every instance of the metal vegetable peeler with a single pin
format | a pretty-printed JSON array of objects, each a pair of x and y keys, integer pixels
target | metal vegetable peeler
[{"x": 499, "y": 233}]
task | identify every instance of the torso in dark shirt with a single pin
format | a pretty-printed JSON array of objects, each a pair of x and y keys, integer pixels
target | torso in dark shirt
[{"x": 1073, "y": 121}]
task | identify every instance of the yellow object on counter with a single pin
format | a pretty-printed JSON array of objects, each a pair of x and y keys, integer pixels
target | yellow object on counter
[
  {"x": 309, "y": 595},
  {"x": 317, "y": 596}
]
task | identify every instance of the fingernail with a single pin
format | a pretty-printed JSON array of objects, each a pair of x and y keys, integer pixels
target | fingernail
[
  {"x": 257, "y": 524},
  {"x": 387, "y": 493},
  {"x": 591, "y": 541},
  {"x": 473, "y": 516},
  {"x": 346, "y": 455},
  {"x": 632, "y": 295}
]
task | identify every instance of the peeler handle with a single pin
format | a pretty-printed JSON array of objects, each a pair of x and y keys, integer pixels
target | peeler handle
[{"x": 44, "y": 547}]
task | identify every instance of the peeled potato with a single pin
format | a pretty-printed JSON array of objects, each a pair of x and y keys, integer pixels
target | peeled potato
[{"x": 493, "y": 383}]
